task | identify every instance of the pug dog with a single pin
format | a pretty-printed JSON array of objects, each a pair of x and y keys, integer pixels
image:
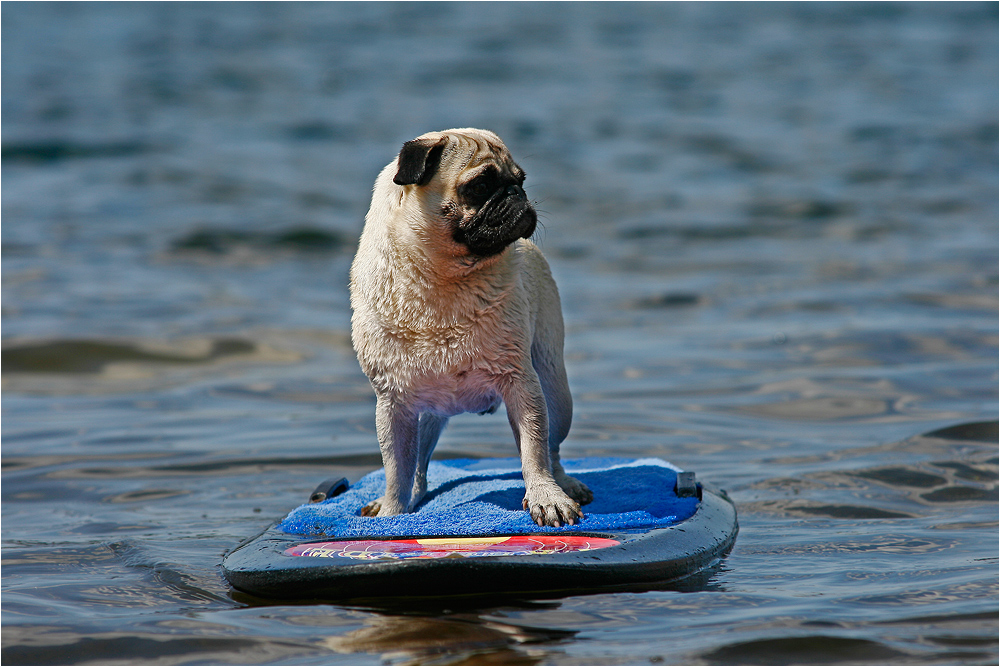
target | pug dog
[{"x": 455, "y": 310}]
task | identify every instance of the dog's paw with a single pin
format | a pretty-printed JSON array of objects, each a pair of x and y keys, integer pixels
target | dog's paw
[
  {"x": 382, "y": 507},
  {"x": 372, "y": 508},
  {"x": 550, "y": 506},
  {"x": 575, "y": 489}
]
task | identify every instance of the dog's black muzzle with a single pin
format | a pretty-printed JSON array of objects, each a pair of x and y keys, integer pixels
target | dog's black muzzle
[{"x": 504, "y": 218}]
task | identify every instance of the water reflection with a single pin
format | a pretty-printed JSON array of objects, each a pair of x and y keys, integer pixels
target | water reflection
[
  {"x": 809, "y": 650},
  {"x": 76, "y": 366},
  {"x": 454, "y": 639},
  {"x": 72, "y": 356},
  {"x": 53, "y": 648}
]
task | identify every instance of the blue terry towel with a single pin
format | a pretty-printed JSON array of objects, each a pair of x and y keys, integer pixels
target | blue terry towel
[{"x": 483, "y": 497}]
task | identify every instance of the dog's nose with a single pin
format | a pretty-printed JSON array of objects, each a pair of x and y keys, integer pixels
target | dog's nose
[{"x": 516, "y": 191}]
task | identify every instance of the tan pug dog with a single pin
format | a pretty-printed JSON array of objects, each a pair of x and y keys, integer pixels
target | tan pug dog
[{"x": 456, "y": 311}]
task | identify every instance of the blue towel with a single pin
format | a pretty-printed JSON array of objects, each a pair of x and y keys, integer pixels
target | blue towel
[{"x": 483, "y": 497}]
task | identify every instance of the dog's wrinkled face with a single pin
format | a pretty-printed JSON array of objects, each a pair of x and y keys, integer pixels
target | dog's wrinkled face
[{"x": 475, "y": 188}]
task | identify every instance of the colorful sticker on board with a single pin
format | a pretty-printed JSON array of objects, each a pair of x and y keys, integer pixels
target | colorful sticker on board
[{"x": 451, "y": 547}]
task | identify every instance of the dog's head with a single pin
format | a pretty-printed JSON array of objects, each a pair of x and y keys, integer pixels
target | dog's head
[{"x": 469, "y": 191}]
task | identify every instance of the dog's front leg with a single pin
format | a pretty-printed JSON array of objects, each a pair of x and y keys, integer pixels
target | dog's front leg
[
  {"x": 396, "y": 425},
  {"x": 543, "y": 498}
]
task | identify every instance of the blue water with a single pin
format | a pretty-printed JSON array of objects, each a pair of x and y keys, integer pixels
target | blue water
[{"x": 774, "y": 229}]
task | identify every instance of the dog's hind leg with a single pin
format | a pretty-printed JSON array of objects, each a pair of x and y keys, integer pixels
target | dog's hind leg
[{"x": 428, "y": 431}]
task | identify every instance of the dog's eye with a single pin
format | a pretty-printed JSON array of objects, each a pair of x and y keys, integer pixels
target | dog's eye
[{"x": 481, "y": 188}]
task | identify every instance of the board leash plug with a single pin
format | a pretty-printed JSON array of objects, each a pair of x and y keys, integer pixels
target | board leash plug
[
  {"x": 687, "y": 486},
  {"x": 329, "y": 488}
]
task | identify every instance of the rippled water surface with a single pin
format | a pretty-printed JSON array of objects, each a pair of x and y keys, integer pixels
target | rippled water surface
[{"x": 774, "y": 228}]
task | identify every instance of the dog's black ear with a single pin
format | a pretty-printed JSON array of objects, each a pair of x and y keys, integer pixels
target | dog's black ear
[{"x": 418, "y": 161}]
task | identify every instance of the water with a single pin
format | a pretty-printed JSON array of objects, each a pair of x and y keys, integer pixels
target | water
[{"x": 774, "y": 231}]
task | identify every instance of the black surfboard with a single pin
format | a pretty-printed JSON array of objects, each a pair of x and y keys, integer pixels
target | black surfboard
[{"x": 666, "y": 527}]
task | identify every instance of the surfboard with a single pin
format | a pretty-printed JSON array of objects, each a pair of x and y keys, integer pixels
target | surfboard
[{"x": 650, "y": 524}]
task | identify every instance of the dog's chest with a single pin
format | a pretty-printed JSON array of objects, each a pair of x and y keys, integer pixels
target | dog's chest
[
  {"x": 464, "y": 349},
  {"x": 447, "y": 366},
  {"x": 451, "y": 373}
]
